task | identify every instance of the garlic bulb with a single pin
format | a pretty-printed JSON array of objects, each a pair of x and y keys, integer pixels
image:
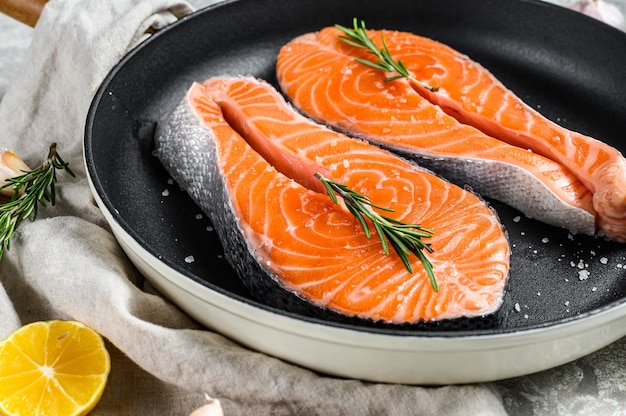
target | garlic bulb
[{"x": 601, "y": 10}]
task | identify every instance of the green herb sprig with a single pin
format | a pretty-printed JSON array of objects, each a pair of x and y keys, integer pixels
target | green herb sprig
[
  {"x": 358, "y": 37},
  {"x": 31, "y": 189},
  {"x": 404, "y": 238}
]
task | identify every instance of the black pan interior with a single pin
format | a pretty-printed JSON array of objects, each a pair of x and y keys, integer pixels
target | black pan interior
[{"x": 569, "y": 66}]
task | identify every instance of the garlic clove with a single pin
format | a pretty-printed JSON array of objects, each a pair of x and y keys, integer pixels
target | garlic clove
[
  {"x": 212, "y": 408},
  {"x": 11, "y": 165},
  {"x": 587, "y": 7}
]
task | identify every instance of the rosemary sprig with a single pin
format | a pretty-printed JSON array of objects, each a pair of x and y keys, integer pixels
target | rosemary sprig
[
  {"x": 358, "y": 37},
  {"x": 32, "y": 188},
  {"x": 404, "y": 238}
]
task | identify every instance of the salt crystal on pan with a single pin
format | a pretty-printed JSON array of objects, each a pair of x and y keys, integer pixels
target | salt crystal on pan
[
  {"x": 544, "y": 240},
  {"x": 583, "y": 274},
  {"x": 517, "y": 307},
  {"x": 165, "y": 192},
  {"x": 517, "y": 219},
  {"x": 604, "y": 260},
  {"x": 189, "y": 259}
]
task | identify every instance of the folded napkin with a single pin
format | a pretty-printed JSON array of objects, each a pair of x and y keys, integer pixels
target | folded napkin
[{"x": 67, "y": 264}]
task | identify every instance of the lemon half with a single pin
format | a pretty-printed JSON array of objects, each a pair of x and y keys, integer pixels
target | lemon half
[{"x": 51, "y": 368}]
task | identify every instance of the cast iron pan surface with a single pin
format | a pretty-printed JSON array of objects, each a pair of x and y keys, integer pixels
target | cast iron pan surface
[{"x": 567, "y": 65}]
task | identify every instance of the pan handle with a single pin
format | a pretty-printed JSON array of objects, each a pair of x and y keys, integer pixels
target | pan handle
[{"x": 26, "y": 11}]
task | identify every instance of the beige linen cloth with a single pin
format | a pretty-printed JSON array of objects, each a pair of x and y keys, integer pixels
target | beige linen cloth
[{"x": 67, "y": 264}]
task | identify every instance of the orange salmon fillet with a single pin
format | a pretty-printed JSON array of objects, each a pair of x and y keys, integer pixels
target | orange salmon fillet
[
  {"x": 247, "y": 158},
  {"x": 319, "y": 74},
  {"x": 474, "y": 96}
]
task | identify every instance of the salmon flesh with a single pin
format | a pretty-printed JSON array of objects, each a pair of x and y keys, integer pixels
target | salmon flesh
[
  {"x": 471, "y": 129},
  {"x": 247, "y": 158}
]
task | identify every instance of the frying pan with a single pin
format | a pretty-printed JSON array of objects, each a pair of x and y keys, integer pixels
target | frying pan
[{"x": 566, "y": 294}]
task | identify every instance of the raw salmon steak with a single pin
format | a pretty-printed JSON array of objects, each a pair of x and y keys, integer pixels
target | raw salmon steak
[
  {"x": 475, "y": 96},
  {"x": 319, "y": 74},
  {"x": 247, "y": 158}
]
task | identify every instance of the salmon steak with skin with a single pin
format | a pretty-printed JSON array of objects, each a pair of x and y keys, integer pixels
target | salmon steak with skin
[
  {"x": 476, "y": 97},
  {"x": 319, "y": 74},
  {"x": 248, "y": 159}
]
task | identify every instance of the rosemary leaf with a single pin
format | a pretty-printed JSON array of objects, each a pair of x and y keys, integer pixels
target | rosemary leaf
[
  {"x": 383, "y": 241},
  {"x": 404, "y": 238},
  {"x": 31, "y": 189},
  {"x": 358, "y": 37}
]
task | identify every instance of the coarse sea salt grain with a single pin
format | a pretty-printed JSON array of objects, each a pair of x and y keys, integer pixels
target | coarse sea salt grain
[
  {"x": 517, "y": 307},
  {"x": 517, "y": 218},
  {"x": 604, "y": 260},
  {"x": 189, "y": 259},
  {"x": 165, "y": 192},
  {"x": 583, "y": 274}
]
